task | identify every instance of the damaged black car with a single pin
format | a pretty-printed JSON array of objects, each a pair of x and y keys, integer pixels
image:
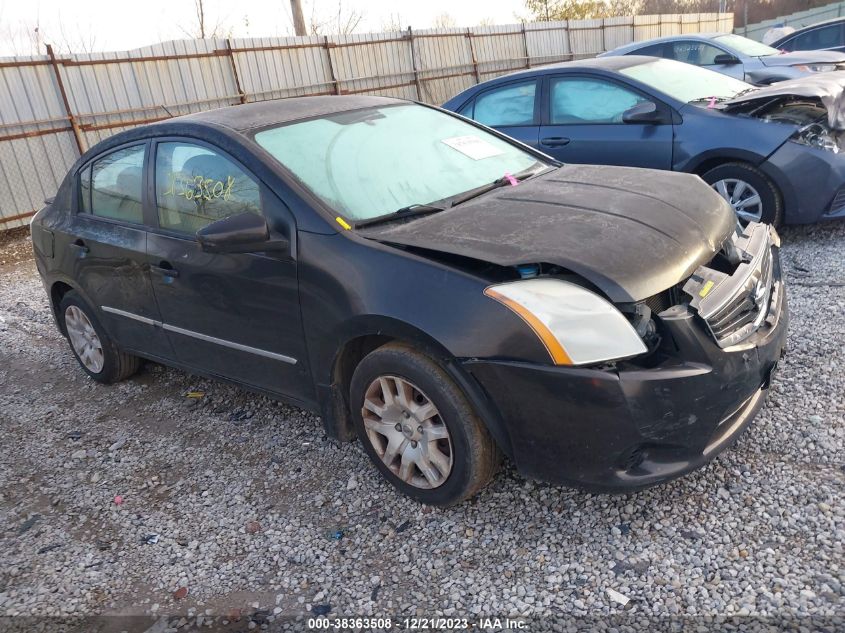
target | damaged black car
[{"x": 446, "y": 295}]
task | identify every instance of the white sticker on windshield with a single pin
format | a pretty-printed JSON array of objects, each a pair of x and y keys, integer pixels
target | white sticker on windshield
[{"x": 472, "y": 146}]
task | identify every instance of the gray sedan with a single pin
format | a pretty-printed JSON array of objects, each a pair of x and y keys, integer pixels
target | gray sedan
[{"x": 736, "y": 56}]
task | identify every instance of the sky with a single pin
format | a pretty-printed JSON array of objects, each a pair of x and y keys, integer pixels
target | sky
[{"x": 102, "y": 25}]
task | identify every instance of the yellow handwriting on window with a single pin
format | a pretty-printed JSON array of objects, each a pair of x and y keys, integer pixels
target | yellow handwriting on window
[{"x": 199, "y": 187}]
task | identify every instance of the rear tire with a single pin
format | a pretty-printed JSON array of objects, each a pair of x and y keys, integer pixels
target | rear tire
[
  {"x": 731, "y": 177},
  {"x": 418, "y": 427},
  {"x": 96, "y": 352}
]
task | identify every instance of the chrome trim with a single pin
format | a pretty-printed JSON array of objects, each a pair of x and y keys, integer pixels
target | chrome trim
[
  {"x": 230, "y": 344},
  {"x": 203, "y": 337},
  {"x": 129, "y": 315}
]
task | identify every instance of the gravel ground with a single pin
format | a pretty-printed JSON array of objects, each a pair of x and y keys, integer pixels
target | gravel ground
[{"x": 243, "y": 503}]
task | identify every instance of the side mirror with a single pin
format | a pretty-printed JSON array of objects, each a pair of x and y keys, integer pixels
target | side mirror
[
  {"x": 241, "y": 233},
  {"x": 643, "y": 112},
  {"x": 725, "y": 59}
]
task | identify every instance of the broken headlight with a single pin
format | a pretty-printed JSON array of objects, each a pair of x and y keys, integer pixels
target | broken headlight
[
  {"x": 817, "y": 135},
  {"x": 576, "y": 326}
]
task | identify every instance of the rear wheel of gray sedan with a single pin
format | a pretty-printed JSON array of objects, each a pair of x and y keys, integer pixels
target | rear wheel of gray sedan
[
  {"x": 418, "y": 427},
  {"x": 97, "y": 353},
  {"x": 749, "y": 191}
]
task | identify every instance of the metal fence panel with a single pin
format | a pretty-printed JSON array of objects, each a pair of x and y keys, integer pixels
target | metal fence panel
[{"x": 53, "y": 107}]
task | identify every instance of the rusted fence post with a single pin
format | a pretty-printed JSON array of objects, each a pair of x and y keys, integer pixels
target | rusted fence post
[
  {"x": 414, "y": 64},
  {"x": 77, "y": 133},
  {"x": 472, "y": 56},
  {"x": 231, "y": 55},
  {"x": 525, "y": 45},
  {"x": 331, "y": 65}
]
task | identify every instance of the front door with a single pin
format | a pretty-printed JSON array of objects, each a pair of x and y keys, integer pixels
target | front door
[
  {"x": 107, "y": 244},
  {"x": 232, "y": 315},
  {"x": 583, "y": 124}
]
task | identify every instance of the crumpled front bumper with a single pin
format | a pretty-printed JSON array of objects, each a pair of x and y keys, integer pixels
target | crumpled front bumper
[{"x": 633, "y": 427}]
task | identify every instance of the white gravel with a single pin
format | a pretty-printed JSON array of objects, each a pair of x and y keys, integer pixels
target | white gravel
[{"x": 255, "y": 511}]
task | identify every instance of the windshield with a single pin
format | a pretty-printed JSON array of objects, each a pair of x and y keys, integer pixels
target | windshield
[
  {"x": 371, "y": 162},
  {"x": 685, "y": 82},
  {"x": 745, "y": 46}
]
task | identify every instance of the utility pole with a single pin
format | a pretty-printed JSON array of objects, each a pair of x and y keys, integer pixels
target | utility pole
[{"x": 298, "y": 19}]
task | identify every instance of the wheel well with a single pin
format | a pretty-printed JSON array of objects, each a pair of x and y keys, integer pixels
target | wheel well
[
  {"x": 347, "y": 360},
  {"x": 57, "y": 293},
  {"x": 712, "y": 163}
]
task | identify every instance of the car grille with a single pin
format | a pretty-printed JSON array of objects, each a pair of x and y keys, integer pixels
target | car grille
[{"x": 735, "y": 306}]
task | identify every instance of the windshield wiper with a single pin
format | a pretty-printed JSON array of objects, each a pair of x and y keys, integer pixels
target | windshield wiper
[
  {"x": 525, "y": 174},
  {"x": 745, "y": 92},
  {"x": 411, "y": 211},
  {"x": 708, "y": 99}
]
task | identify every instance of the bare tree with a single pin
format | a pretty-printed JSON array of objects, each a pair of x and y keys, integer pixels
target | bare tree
[
  {"x": 203, "y": 28},
  {"x": 341, "y": 21},
  {"x": 392, "y": 22},
  {"x": 444, "y": 21},
  {"x": 298, "y": 18}
]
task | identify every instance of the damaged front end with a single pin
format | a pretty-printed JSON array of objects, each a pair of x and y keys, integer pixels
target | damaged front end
[
  {"x": 815, "y": 104},
  {"x": 713, "y": 342},
  {"x": 739, "y": 292}
]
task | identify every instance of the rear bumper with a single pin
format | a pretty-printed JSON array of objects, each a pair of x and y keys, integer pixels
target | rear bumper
[
  {"x": 634, "y": 427},
  {"x": 810, "y": 181}
]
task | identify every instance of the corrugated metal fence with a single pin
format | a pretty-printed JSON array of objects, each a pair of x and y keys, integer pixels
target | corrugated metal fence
[
  {"x": 795, "y": 20},
  {"x": 54, "y": 107}
]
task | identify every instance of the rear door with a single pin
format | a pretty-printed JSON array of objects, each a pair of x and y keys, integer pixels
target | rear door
[
  {"x": 106, "y": 249},
  {"x": 583, "y": 124},
  {"x": 510, "y": 108},
  {"x": 232, "y": 315}
]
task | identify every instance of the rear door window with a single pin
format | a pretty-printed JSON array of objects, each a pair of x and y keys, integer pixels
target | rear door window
[
  {"x": 196, "y": 186},
  {"x": 111, "y": 186},
  {"x": 824, "y": 37},
  {"x": 508, "y": 105}
]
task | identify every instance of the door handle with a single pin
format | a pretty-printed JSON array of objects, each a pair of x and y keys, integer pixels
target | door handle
[
  {"x": 165, "y": 270},
  {"x": 79, "y": 248},
  {"x": 554, "y": 141}
]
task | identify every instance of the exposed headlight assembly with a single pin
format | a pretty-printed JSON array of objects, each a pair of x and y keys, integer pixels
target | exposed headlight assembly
[
  {"x": 817, "y": 135},
  {"x": 576, "y": 326},
  {"x": 816, "y": 68}
]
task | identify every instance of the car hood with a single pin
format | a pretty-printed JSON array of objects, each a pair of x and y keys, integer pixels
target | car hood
[
  {"x": 631, "y": 232},
  {"x": 803, "y": 57},
  {"x": 828, "y": 87}
]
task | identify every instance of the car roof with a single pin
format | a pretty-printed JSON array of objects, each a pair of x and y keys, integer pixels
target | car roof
[
  {"x": 809, "y": 27},
  {"x": 600, "y": 63},
  {"x": 668, "y": 38},
  {"x": 266, "y": 113}
]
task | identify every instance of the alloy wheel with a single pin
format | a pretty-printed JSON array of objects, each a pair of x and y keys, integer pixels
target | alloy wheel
[
  {"x": 84, "y": 340},
  {"x": 406, "y": 430},
  {"x": 744, "y": 198}
]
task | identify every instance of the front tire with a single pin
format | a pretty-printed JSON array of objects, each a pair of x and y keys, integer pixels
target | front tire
[
  {"x": 751, "y": 194},
  {"x": 418, "y": 427},
  {"x": 96, "y": 352}
]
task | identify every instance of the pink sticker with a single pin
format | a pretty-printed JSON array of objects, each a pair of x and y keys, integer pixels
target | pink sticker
[
  {"x": 513, "y": 181},
  {"x": 118, "y": 500},
  {"x": 712, "y": 103}
]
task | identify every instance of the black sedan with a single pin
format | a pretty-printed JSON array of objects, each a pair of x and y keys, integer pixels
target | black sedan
[
  {"x": 431, "y": 287},
  {"x": 775, "y": 153}
]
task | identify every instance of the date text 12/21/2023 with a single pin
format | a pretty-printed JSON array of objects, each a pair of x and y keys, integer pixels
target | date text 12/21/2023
[{"x": 419, "y": 623}]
